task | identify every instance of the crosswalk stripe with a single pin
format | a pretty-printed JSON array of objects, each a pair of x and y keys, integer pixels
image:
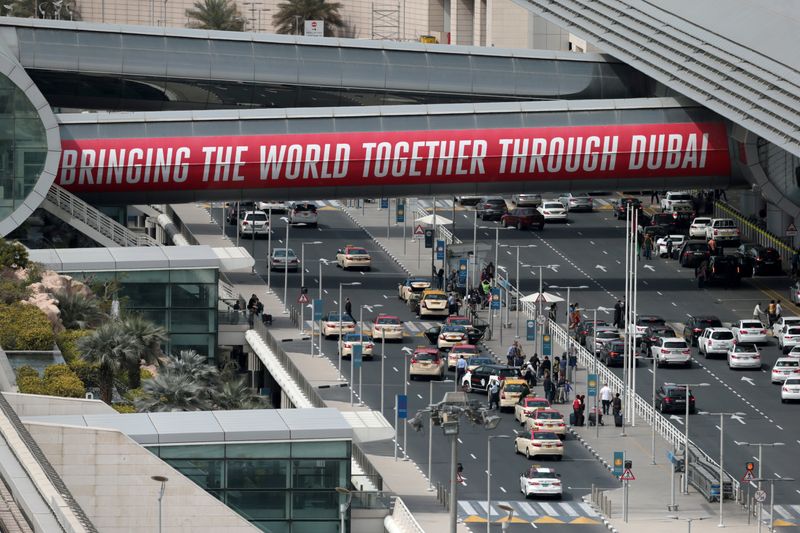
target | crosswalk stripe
[
  {"x": 412, "y": 327},
  {"x": 528, "y": 509},
  {"x": 568, "y": 508},
  {"x": 781, "y": 511},
  {"x": 587, "y": 509},
  {"x": 467, "y": 508},
  {"x": 482, "y": 505},
  {"x": 796, "y": 508},
  {"x": 548, "y": 509}
]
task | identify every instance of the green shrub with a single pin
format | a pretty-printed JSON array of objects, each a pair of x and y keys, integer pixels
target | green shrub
[
  {"x": 88, "y": 373},
  {"x": 67, "y": 342},
  {"x": 27, "y": 371},
  {"x": 25, "y": 327},
  {"x": 12, "y": 291},
  {"x": 59, "y": 380},
  {"x": 66, "y": 385},
  {"x": 145, "y": 374},
  {"x": 124, "y": 408},
  {"x": 31, "y": 385}
]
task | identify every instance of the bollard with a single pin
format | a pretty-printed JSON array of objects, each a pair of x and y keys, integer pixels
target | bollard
[{"x": 594, "y": 494}]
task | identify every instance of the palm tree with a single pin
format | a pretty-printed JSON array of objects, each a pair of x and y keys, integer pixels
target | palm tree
[
  {"x": 235, "y": 394},
  {"x": 78, "y": 310},
  {"x": 172, "y": 391},
  {"x": 293, "y": 13},
  {"x": 108, "y": 347},
  {"x": 215, "y": 15},
  {"x": 148, "y": 339},
  {"x": 194, "y": 365}
]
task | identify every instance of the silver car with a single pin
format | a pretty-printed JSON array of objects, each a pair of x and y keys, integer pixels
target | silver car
[
  {"x": 284, "y": 259},
  {"x": 577, "y": 203}
]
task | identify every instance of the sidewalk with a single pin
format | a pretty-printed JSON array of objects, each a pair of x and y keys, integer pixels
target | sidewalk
[
  {"x": 403, "y": 478},
  {"x": 650, "y": 493}
]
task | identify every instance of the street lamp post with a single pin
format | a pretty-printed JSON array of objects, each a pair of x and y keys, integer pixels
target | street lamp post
[
  {"x": 686, "y": 433},
  {"x": 322, "y": 262},
  {"x": 568, "y": 288},
  {"x": 518, "y": 246},
  {"x": 540, "y": 334},
  {"x": 772, "y": 481},
  {"x": 722, "y": 457},
  {"x": 163, "y": 480},
  {"x": 269, "y": 248},
  {"x": 352, "y": 356},
  {"x": 430, "y": 435},
  {"x": 759, "y": 445},
  {"x": 286, "y": 267},
  {"x": 342, "y": 284},
  {"x": 343, "y": 507},
  {"x": 303, "y": 280},
  {"x": 489, "y": 479}
]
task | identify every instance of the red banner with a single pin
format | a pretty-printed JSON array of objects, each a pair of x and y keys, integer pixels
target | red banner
[{"x": 394, "y": 158}]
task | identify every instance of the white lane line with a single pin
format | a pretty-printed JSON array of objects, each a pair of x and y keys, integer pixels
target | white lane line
[
  {"x": 777, "y": 426},
  {"x": 659, "y": 293},
  {"x": 460, "y": 441},
  {"x": 473, "y": 456},
  {"x": 781, "y": 511},
  {"x": 587, "y": 509},
  {"x": 420, "y": 397},
  {"x": 468, "y": 509},
  {"x": 504, "y": 490},
  {"x": 528, "y": 508},
  {"x": 548, "y": 509},
  {"x": 395, "y": 369},
  {"x": 674, "y": 304}
]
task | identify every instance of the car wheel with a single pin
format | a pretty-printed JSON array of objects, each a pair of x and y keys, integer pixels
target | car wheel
[
  {"x": 527, "y": 454},
  {"x": 520, "y": 226},
  {"x": 516, "y": 449},
  {"x": 783, "y": 400},
  {"x": 466, "y": 387},
  {"x": 661, "y": 407},
  {"x": 558, "y": 457}
]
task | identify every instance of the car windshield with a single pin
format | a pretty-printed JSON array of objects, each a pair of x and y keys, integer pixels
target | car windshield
[
  {"x": 548, "y": 415},
  {"x": 792, "y": 381},
  {"x": 543, "y": 475},
  {"x": 356, "y": 251},
  {"x": 725, "y": 223},
  {"x": 495, "y": 201},
  {"x": 532, "y": 402},
  {"x": 697, "y": 247},
  {"x": 260, "y": 217},
  {"x": 281, "y": 252},
  {"x": 464, "y": 350},
  {"x": 454, "y": 329},
  {"x": 681, "y": 197},
  {"x": 788, "y": 362},
  {"x": 650, "y": 321},
  {"x": 435, "y": 297},
  {"x": 355, "y": 337},
  {"x": 508, "y": 372},
  {"x": 387, "y": 320},
  {"x": 701, "y": 221},
  {"x": 722, "y": 335},
  {"x": 480, "y": 361},
  {"x": 425, "y": 356},
  {"x": 544, "y": 435},
  {"x": 305, "y": 207},
  {"x": 334, "y": 317},
  {"x": 664, "y": 332},
  {"x": 709, "y": 322},
  {"x": 418, "y": 282},
  {"x": 553, "y": 205},
  {"x": 607, "y": 334},
  {"x": 793, "y": 331},
  {"x": 674, "y": 344},
  {"x": 679, "y": 392},
  {"x": 751, "y": 324},
  {"x": 516, "y": 387},
  {"x": 459, "y": 321},
  {"x": 745, "y": 348}
]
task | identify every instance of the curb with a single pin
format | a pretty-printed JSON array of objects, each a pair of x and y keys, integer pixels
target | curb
[
  {"x": 346, "y": 211},
  {"x": 604, "y": 518}
]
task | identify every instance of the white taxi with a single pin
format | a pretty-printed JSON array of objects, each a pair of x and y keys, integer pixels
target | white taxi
[
  {"x": 784, "y": 321},
  {"x": 540, "y": 482},
  {"x": 467, "y": 351},
  {"x": 790, "y": 390},
  {"x": 387, "y": 327},
  {"x": 750, "y": 331},
  {"x": 788, "y": 338},
  {"x": 331, "y": 325},
  {"x": 744, "y": 355},
  {"x": 528, "y": 405},
  {"x": 553, "y": 211},
  {"x": 351, "y": 340},
  {"x": 353, "y": 257},
  {"x": 785, "y": 368},
  {"x": 715, "y": 341},
  {"x": 412, "y": 286},
  {"x": 533, "y": 443},
  {"x": 449, "y": 336},
  {"x": 511, "y": 390},
  {"x": 547, "y": 420}
]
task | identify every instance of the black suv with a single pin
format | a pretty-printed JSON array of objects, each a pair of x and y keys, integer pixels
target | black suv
[
  {"x": 672, "y": 398},
  {"x": 756, "y": 260},
  {"x": 723, "y": 270},
  {"x": 696, "y": 325},
  {"x": 479, "y": 377},
  {"x": 651, "y": 336},
  {"x": 613, "y": 353},
  {"x": 692, "y": 253},
  {"x": 621, "y": 207},
  {"x": 491, "y": 208}
]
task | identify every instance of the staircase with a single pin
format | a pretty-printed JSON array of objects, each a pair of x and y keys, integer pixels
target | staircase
[{"x": 92, "y": 222}]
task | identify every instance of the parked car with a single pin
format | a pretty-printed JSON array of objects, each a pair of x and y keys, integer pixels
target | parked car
[
  {"x": 481, "y": 376},
  {"x": 603, "y": 336},
  {"x": 715, "y": 341},
  {"x": 613, "y": 353},
  {"x": 744, "y": 355},
  {"x": 236, "y": 211},
  {"x": 675, "y": 197},
  {"x": 467, "y": 199},
  {"x": 665, "y": 220},
  {"x": 491, "y": 208},
  {"x": 527, "y": 405},
  {"x": 682, "y": 214},
  {"x": 284, "y": 259},
  {"x": 303, "y": 213},
  {"x": 523, "y": 218},
  {"x": 757, "y": 260},
  {"x": 412, "y": 285},
  {"x": 794, "y": 293},
  {"x": 696, "y": 325},
  {"x": 511, "y": 390},
  {"x": 426, "y": 362},
  {"x": 449, "y": 336},
  {"x": 585, "y": 329},
  {"x": 671, "y": 398},
  {"x": 648, "y": 321},
  {"x": 677, "y": 242},
  {"x": 784, "y": 322},
  {"x": 697, "y": 229},
  {"x": 433, "y": 303},
  {"x": 692, "y": 253},
  {"x": 750, "y": 331},
  {"x": 468, "y": 351},
  {"x": 272, "y": 205}
]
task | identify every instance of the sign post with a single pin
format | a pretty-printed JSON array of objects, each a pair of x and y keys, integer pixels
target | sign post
[
  {"x": 400, "y": 211},
  {"x": 401, "y": 413},
  {"x": 314, "y": 28},
  {"x": 618, "y": 465},
  {"x": 440, "y": 250},
  {"x": 357, "y": 360},
  {"x": 384, "y": 203},
  {"x": 627, "y": 476}
]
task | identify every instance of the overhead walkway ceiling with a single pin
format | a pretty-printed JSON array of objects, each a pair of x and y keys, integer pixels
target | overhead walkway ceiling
[
  {"x": 136, "y": 68},
  {"x": 393, "y": 151},
  {"x": 756, "y": 88}
]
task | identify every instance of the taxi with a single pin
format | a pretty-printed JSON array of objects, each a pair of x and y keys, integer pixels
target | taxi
[
  {"x": 412, "y": 286},
  {"x": 467, "y": 350},
  {"x": 450, "y": 336},
  {"x": 354, "y": 339},
  {"x": 433, "y": 303},
  {"x": 387, "y": 327},
  {"x": 458, "y": 321},
  {"x": 425, "y": 361},
  {"x": 547, "y": 420},
  {"x": 527, "y": 405},
  {"x": 353, "y": 257},
  {"x": 511, "y": 390},
  {"x": 785, "y": 368},
  {"x": 540, "y": 482},
  {"x": 534, "y": 443},
  {"x": 330, "y": 325}
]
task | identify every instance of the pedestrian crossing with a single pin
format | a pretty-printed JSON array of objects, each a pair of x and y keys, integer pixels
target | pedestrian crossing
[
  {"x": 413, "y": 328},
  {"x": 786, "y": 515},
  {"x": 529, "y": 512}
]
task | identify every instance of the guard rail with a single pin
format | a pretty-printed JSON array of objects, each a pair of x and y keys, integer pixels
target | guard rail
[{"x": 753, "y": 233}]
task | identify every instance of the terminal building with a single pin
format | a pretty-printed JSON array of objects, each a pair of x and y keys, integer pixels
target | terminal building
[{"x": 106, "y": 125}]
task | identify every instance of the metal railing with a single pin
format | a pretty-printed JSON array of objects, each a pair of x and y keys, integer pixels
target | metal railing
[
  {"x": 96, "y": 219},
  {"x": 366, "y": 465},
  {"x": 752, "y": 232},
  {"x": 404, "y": 518}
]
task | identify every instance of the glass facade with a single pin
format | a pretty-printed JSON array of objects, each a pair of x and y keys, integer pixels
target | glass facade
[
  {"x": 23, "y": 147},
  {"x": 281, "y": 487},
  {"x": 184, "y": 302}
]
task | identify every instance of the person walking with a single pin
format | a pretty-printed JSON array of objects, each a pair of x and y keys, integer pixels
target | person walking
[
  {"x": 440, "y": 279},
  {"x": 534, "y": 362},
  {"x": 461, "y": 368},
  {"x": 348, "y": 309},
  {"x": 545, "y": 366},
  {"x": 648, "y": 247},
  {"x": 778, "y": 310},
  {"x": 549, "y": 388},
  {"x": 513, "y": 353},
  {"x": 494, "y": 395},
  {"x": 617, "y": 314},
  {"x": 605, "y": 398},
  {"x": 654, "y": 195},
  {"x": 701, "y": 273},
  {"x": 771, "y": 312},
  {"x": 552, "y": 313},
  {"x": 758, "y": 313},
  {"x": 616, "y": 407},
  {"x": 576, "y": 411},
  {"x": 669, "y": 247},
  {"x": 451, "y": 304}
]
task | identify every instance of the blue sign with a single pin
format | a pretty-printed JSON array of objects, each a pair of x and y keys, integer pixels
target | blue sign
[
  {"x": 463, "y": 266},
  {"x": 619, "y": 464},
  {"x": 357, "y": 356},
  {"x": 715, "y": 489},
  {"x": 401, "y": 400},
  {"x": 495, "y": 295},
  {"x": 547, "y": 345},
  {"x": 316, "y": 305},
  {"x": 439, "y": 249},
  {"x": 592, "y": 382},
  {"x": 384, "y": 203},
  {"x": 531, "y": 330},
  {"x": 400, "y": 211}
]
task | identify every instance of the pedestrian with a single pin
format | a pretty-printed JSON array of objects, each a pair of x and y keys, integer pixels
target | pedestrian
[
  {"x": 701, "y": 273},
  {"x": 582, "y": 409},
  {"x": 494, "y": 394},
  {"x": 712, "y": 246},
  {"x": 572, "y": 363},
  {"x": 530, "y": 375},
  {"x": 451, "y": 304},
  {"x": 519, "y": 360},
  {"x": 545, "y": 366},
  {"x": 552, "y": 312},
  {"x": 534, "y": 362},
  {"x": 758, "y": 312},
  {"x": 576, "y": 410},
  {"x": 563, "y": 365},
  {"x": 647, "y": 247},
  {"x": 440, "y": 279},
  {"x": 490, "y": 270},
  {"x": 616, "y": 405},
  {"x": 348, "y": 309},
  {"x": 669, "y": 247},
  {"x": 549, "y": 389},
  {"x": 622, "y": 315},
  {"x": 654, "y": 195},
  {"x": 617, "y": 314},
  {"x": 605, "y": 398},
  {"x": 795, "y": 262},
  {"x": 513, "y": 352},
  {"x": 771, "y": 312},
  {"x": 461, "y": 368},
  {"x": 778, "y": 311}
]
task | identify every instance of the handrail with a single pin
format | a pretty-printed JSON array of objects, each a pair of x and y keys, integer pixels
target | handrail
[
  {"x": 96, "y": 219},
  {"x": 404, "y": 519},
  {"x": 751, "y": 232}
]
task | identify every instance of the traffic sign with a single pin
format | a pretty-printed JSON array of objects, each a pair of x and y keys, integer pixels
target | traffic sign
[
  {"x": 748, "y": 474},
  {"x": 791, "y": 230},
  {"x": 627, "y": 475},
  {"x": 760, "y": 496},
  {"x": 357, "y": 356},
  {"x": 317, "y": 306},
  {"x": 494, "y": 296},
  {"x": 541, "y": 319},
  {"x": 401, "y": 401},
  {"x": 384, "y": 203},
  {"x": 400, "y": 211},
  {"x": 547, "y": 345},
  {"x": 419, "y": 230},
  {"x": 439, "y": 249},
  {"x": 618, "y": 462},
  {"x": 592, "y": 382},
  {"x": 303, "y": 299}
]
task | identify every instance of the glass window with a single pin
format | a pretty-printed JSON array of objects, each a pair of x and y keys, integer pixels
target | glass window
[
  {"x": 258, "y": 504},
  {"x": 203, "y": 451},
  {"x": 144, "y": 294},
  {"x": 192, "y": 295},
  {"x": 258, "y": 473},
  {"x": 320, "y": 473},
  {"x": 205, "y": 472},
  {"x": 326, "y": 450},
  {"x": 315, "y": 504},
  {"x": 192, "y": 321},
  {"x": 315, "y": 527},
  {"x": 258, "y": 450},
  {"x": 273, "y": 527}
]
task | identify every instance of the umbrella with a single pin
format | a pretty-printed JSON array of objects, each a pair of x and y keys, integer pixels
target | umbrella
[
  {"x": 544, "y": 297},
  {"x": 434, "y": 220}
]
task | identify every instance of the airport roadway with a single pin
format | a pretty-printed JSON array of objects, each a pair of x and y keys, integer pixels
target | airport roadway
[{"x": 379, "y": 287}]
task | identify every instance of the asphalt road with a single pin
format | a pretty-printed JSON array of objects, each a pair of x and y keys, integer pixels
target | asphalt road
[{"x": 379, "y": 287}]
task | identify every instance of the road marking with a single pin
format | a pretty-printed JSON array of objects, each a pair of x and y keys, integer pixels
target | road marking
[
  {"x": 777, "y": 475},
  {"x": 469, "y": 509},
  {"x": 385, "y": 297},
  {"x": 548, "y": 509},
  {"x": 592, "y": 243},
  {"x": 473, "y": 456},
  {"x": 659, "y": 293},
  {"x": 460, "y": 442},
  {"x": 528, "y": 508},
  {"x": 395, "y": 369},
  {"x": 568, "y": 508},
  {"x": 504, "y": 490},
  {"x": 419, "y": 396},
  {"x": 605, "y": 252},
  {"x": 674, "y": 304},
  {"x": 325, "y": 291}
]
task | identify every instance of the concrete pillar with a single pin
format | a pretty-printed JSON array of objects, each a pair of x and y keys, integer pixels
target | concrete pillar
[
  {"x": 477, "y": 22},
  {"x": 448, "y": 32},
  {"x": 489, "y": 20}
]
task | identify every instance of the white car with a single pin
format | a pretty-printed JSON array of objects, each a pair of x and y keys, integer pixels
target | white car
[
  {"x": 603, "y": 336},
  {"x": 331, "y": 325},
  {"x": 677, "y": 242},
  {"x": 350, "y": 340},
  {"x": 697, "y": 229},
  {"x": 254, "y": 223},
  {"x": 527, "y": 406},
  {"x": 387, "y": 327},
  {"x": 784, "y": 321},
  {"x": 353, "y": 257},
  {"x": 303, "y": 213},
  {"x": 450, "y": 336},
  {"x": 533, "y": 443},
  {"x": 553, "y": 211},
  {"x": 795, "y": 352},
  {"x": 750, "y": 331},
  {"x": 527, "y": 200},
  {"x": 272, "y": 205},
  {"x": 785, "y": 368},
  {"x": 744, "y": 355},
  {"x": 540, "y": 482},
  {"x": 715, "y": 341},
  {"x": 673, "y": 197},
  {"x": 412, "y": 286},
  {"x": 789, "y": 338},
  {"x": 723, "y": 230},
  {"x": 790, "y": 390},
  {"x": 671, "y": 351},
  {"x": 575, "y": 202}
]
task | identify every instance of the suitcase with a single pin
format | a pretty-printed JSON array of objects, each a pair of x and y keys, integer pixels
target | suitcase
[
  {"x": 592, "y": 419},
  {"x": 572, "y": 419},
  {"x": 618, "y": 420}
]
